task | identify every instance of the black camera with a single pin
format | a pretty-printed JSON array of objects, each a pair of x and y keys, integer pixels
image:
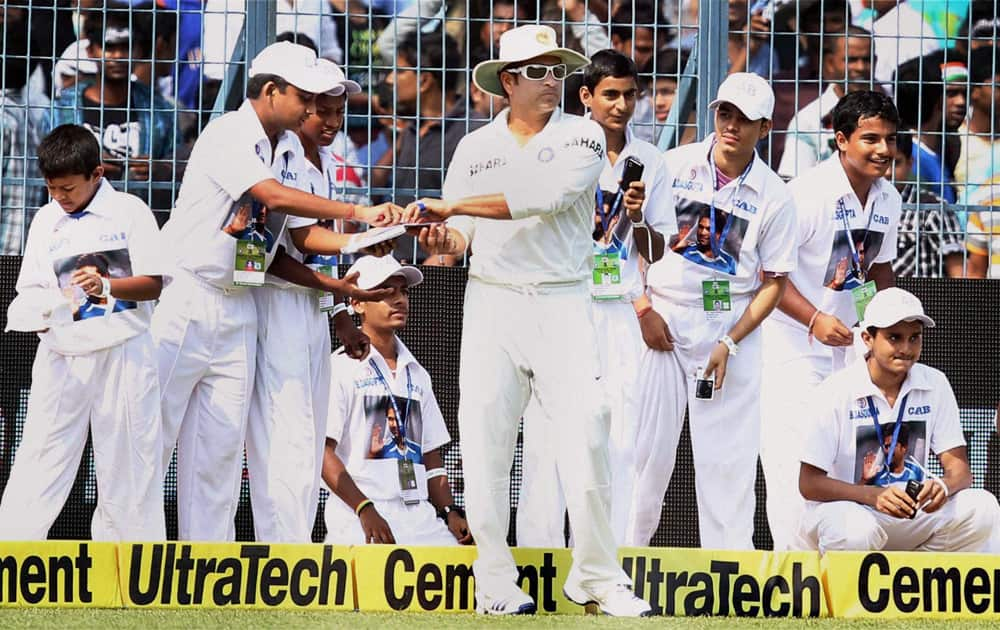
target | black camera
[
  {"x": 913, "y": 489},
  {"x": 704, "y": 388}
]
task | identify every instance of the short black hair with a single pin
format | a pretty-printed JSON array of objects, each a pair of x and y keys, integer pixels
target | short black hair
[
  {"x": 609, "y": 63},
  {"x": 256, "y": 83},
  {"x": 853, "y": 30},
  {"x": 645, "y": 15},
  {"x": 919, "y": 91},
  {"x": 904, "y": 141},
  {"x": 854, "y": 106},
  {"x": 669, "y": 61},
  {"x": 68, "y": 150},
  {"x": 904, "y": 433},
  {"x": 439, "y": 55},
  {"x": 984, "y": 64},
  {"x": 298, "y": 38}
]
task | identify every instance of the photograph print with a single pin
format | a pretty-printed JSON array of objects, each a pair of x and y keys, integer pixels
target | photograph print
[
  {"x": 694, "y": 236},
  {"x": 840, "y": 272},
  {"x": 388, "y": 438},
  {"x": 112, "y": 263},
  {"x": 869, "y": 459}
]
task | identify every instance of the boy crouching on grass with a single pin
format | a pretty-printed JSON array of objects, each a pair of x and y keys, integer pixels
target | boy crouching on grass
[{"x": 89, "y": 276}]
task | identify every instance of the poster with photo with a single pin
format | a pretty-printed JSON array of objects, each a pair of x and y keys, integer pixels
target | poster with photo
[
  {"x": 250, "y": 220},
  {"x": 388, "y": 438},
  {"x": 840, "y": 271},
  {"x": 694, "y": 236},
  {"x": 112, "y": 263},
  {"x": 869, "y": 459}
]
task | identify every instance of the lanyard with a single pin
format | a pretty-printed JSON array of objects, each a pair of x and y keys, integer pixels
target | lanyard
[
  {"x": 887, "y": 460},
  {"x": 855, "y": 257},
  {"x": 717, "y": 241},
  {"x": 400, "y": 418}
]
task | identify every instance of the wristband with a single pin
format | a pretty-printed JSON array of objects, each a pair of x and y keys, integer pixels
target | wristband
[
  {"x": 340, "y": 307},
  {"x": 361, "y": 506},
  {"x": 448, "y": 509},
  {"x": 436, "y": 472},
  {"x": 354, "y": 211},
  {"x": 105, "y": 288},
  {"x": 641, "y": 223},
  {"x": 732, "y": 345},
  {"x": 642, "y": 312},
  {"x": 812, "y": 322}
]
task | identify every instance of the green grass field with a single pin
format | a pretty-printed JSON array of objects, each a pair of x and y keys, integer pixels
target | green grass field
[{"x": 111, "y": 619}]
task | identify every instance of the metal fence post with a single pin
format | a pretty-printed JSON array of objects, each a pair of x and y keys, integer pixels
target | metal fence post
[{"x": 713, "y": 56}]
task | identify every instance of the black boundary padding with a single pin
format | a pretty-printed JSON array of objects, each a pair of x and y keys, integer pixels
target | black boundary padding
[{"x": 964, "y": 345}]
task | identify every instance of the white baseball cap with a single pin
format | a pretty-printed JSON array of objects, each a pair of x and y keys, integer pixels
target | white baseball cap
[
  {"x": 520, "y": 44},
  {"x": 749, "y": 92},
  {"x": 293, "y": 63},
  {"x": 75, "y": 60},
  {"x": 374, "y": 270},
  {"x": 893, "y": 305},
  {"x": 341, "y": 83}
]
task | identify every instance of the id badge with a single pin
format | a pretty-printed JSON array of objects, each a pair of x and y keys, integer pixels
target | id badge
[
  {"x": 607, "y": 276},
  {"x": 862, "y": 296},
  {"x": 715, "y": 296},
  {"x": 408, "y": 482},
  {"x": 326, "y": 299},
  {"x": 248, "y": 268}
]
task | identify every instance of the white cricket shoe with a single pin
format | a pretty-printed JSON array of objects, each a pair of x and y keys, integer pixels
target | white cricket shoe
[
  {"x": 617, "y": 600},
  {"x": 514, "y": 602}
]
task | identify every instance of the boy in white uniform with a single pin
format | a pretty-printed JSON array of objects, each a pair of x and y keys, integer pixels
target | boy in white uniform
[
  {"x": 520, "y": 192},
  {"x": 206, "y": 327},
  {"x": 865, "y": 479},
  {"x": 383, "y": 459},
  {"x": 848, "y": 215},
  {"x": 610, "y": 88},
  {"x": 287, "y": 423},
  {"x": 708, "y": 294},
  {"x": 90, "y": 273}
]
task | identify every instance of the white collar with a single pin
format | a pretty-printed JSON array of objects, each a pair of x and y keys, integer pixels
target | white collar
[
  {"x": 403, "y": 355},
  {"x": 754, "y": 179},
  {"x": 861, "y": 386},
  {"x": 99, "y": 205},
  {"x": 841, "y": 186}
]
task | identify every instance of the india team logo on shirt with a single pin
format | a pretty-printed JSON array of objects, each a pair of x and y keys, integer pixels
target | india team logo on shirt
[
  {"x": 114, "y": 263},
  {"x": 697, "y": 242}
]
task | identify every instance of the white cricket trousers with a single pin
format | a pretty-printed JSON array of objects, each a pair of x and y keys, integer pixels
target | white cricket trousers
[
  {"x": 725, "y": 431},
  {"x": 206, "y": 343},
  {"x": 286, "y": 430},
  {"x": 115, "y": 394},
  {"x": 410, "y": 524},
  {"x": 787, "y": 387},
  {"x": 516, "y": 343},
  {"x": 541, "y": 507},
  {"x": 964, "y": 523}
]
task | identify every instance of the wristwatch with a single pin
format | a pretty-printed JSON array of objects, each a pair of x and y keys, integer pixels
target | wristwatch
[
  {"x": 448, "y": 509},
  {"x": 641, "y": 223},
  {"x": 105, "y": 288}
]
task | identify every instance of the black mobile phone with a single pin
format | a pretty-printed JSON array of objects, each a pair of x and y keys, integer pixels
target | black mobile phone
[
  {"x": 913, "y": 489},
  {"x": 632, "y": 172}
]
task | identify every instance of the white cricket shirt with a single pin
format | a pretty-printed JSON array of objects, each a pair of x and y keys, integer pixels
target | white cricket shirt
[
  {"x": 826, "y": 206},
  {"x": 550, "y": 186},
  {"x": 755, "y": 227},
  {"x": 232, "y": 154},
  {"x": 359, "y": 404},
  {"x": 658, "y": 209},
  {"x": 115, "y": 234}
]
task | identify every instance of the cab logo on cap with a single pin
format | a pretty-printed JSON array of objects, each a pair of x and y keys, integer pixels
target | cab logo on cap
[{"x": 543, "y": 37}]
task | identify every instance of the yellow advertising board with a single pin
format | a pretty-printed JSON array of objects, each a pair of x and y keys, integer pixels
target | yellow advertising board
[
  {"x": 59, "y": 573},
  {"x": 208, "y": 575},
  {"x": 439, "y": 579},
  {"x": 687, "y": 582},
  {"x": 907, "y": 585}
]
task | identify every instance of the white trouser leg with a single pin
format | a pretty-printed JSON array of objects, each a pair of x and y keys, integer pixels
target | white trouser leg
[
  {"x": 286, "y": 426},
  {"x": 493, "y": 380},
  {"x": 565, "y": 366},
  {"x": 128, "y": 445},
  {"x": 55, "y": 431},
  {"x": 541, "y": 508},
  {"x": 662, "y": 390},
  {"x": 786, "y": 389},
  {"x": 206, "y": 345},
  {"x": 842, "y": 526}
]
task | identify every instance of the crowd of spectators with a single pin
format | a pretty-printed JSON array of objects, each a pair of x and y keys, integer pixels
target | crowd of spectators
[{"x": 145, "y": 76}]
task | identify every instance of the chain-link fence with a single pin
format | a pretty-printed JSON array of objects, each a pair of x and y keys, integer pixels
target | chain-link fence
[{"x": 147, "y": 75}]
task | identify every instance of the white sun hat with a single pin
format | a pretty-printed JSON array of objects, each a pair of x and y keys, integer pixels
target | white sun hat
[
  {"x": 293, "y": 63},
  {"x": 341, "y": 83},
  {"x": 520, "y": 44}
]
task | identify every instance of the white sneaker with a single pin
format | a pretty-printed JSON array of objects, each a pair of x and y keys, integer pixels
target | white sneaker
[
  {"x": 515, "y": 602},
  {"x": 616, "y": 601}
]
